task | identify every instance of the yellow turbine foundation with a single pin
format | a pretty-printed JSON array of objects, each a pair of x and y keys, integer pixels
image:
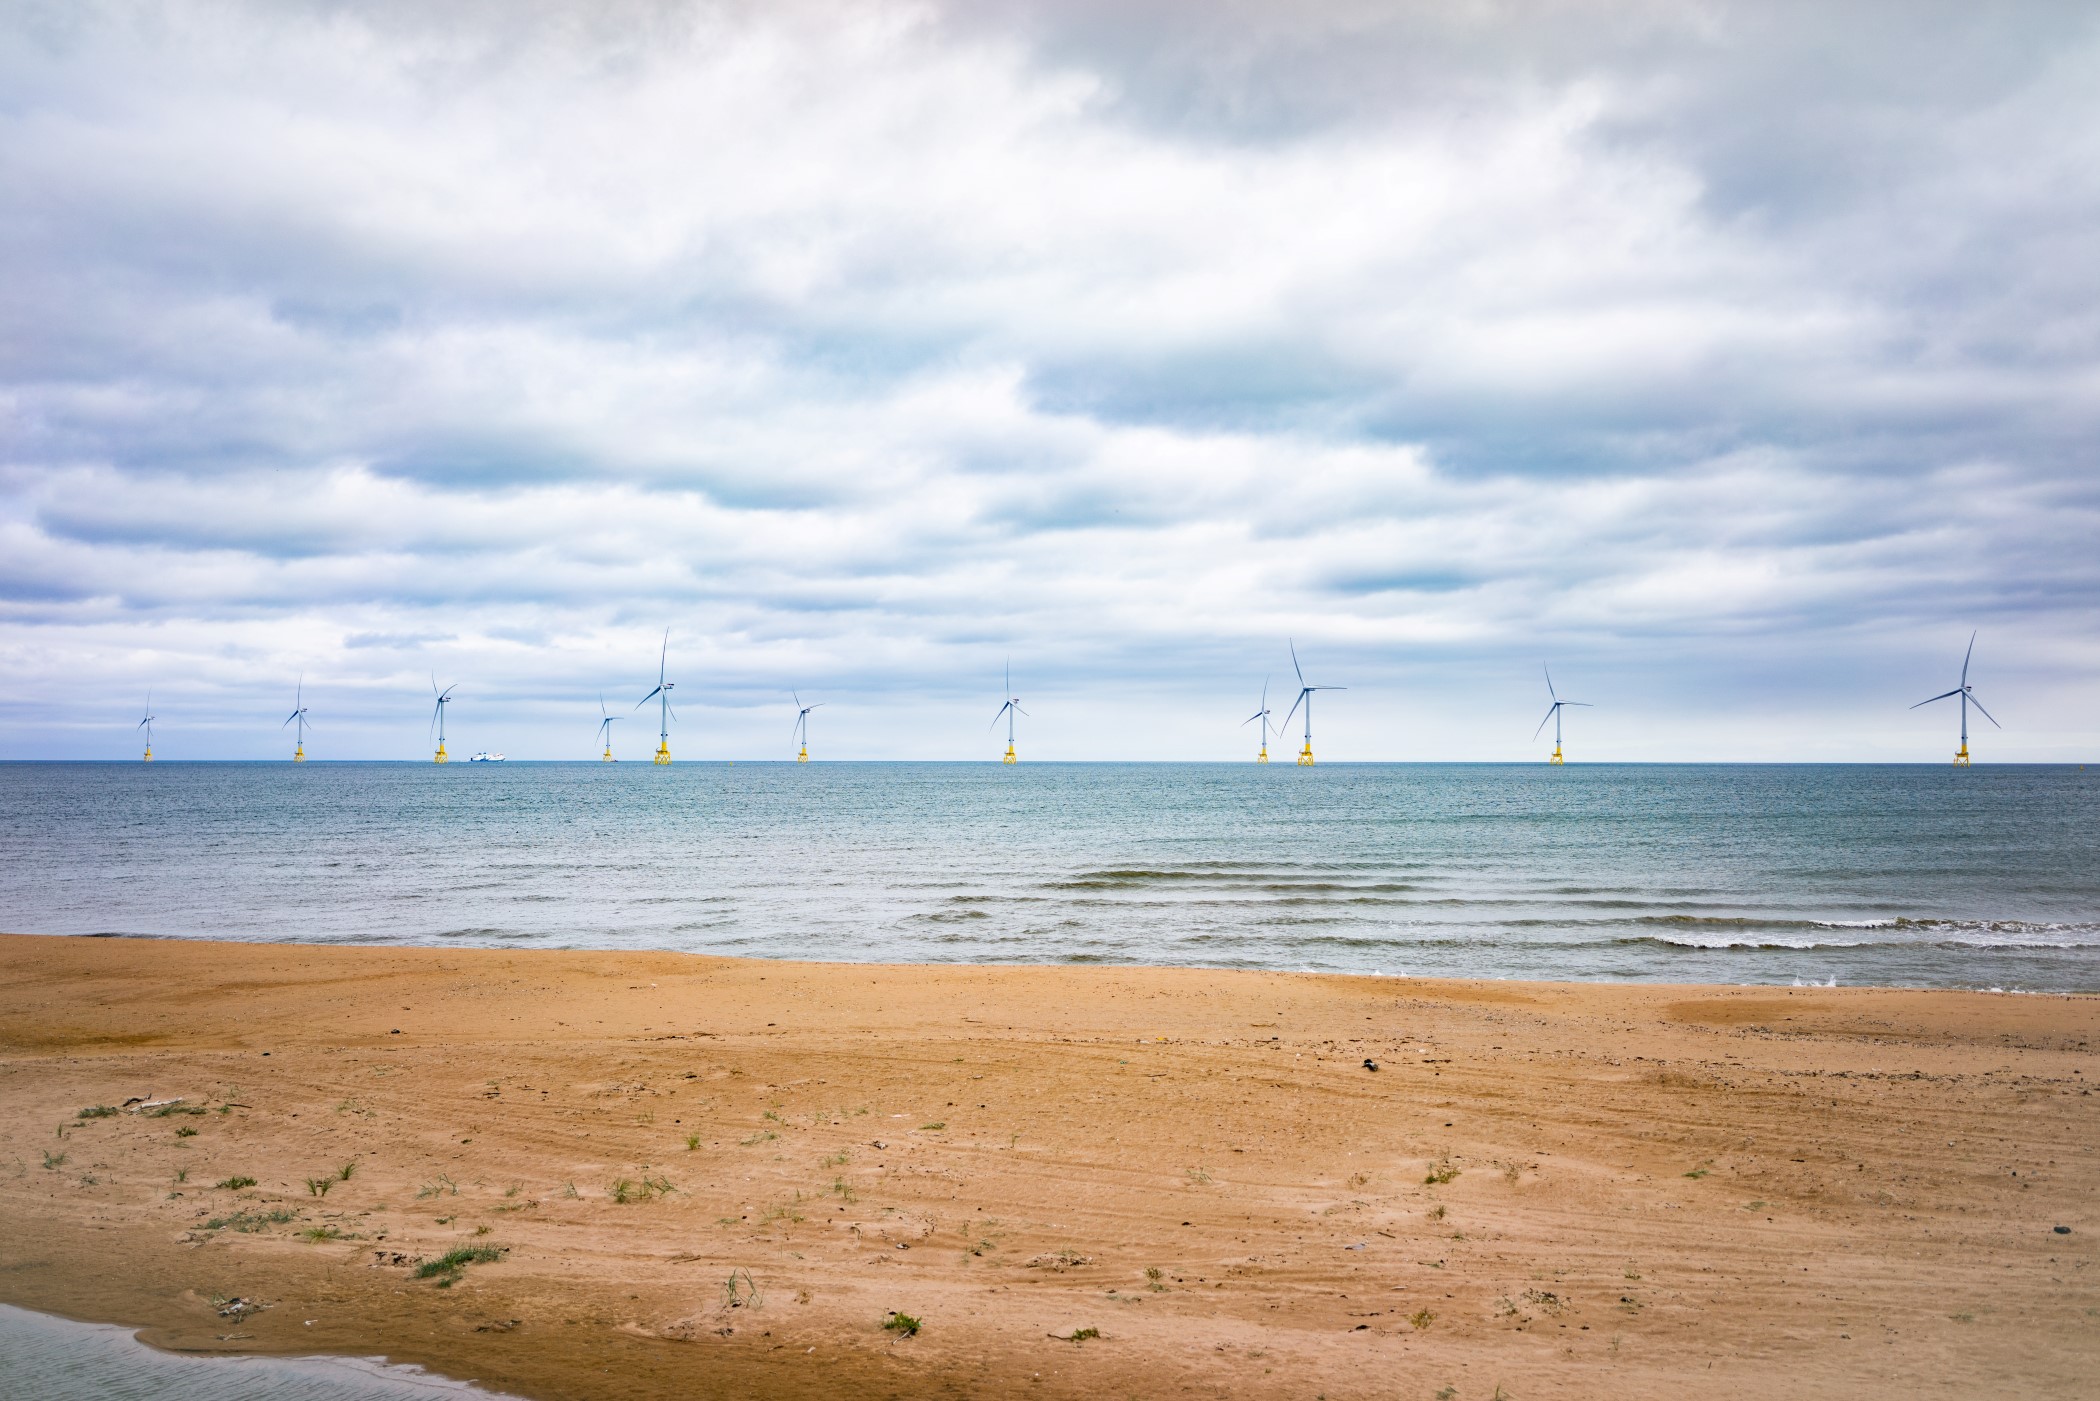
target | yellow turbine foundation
[
  {"x": 1305, "y": 758},
  {"x": 607, "y": 756},
  {"x": 663, "y": 752},
  {"x": 1961, "y": 756},
  {"x": 803, "y": 757},
  {"x": 1263, "y": 757},
  {"x": 299, "y": 755},
  {"x": 1011, "y": 757},
  {"x": 149, "y": 754},
  {"x": 441, "y": 758},
  {"x": 1556, "y": 759}
]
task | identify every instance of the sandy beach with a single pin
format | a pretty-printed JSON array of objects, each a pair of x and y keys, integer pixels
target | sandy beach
[{"x": 689, "y": 1176}]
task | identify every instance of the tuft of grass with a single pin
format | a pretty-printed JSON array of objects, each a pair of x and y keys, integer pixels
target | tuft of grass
[
  {"x": 933, "y": 1128},
  {"x": 249, "y": 1222},
  {"x": 762, "y": 1136},
  {"x": 182, "y": 1174},
  {"x": 1422, "y": 1319},
  {"x": 342, "y": 1174},
  {"x": 904, "y": 1325},
  {"x": 318, "y": 1186},
  {"x": 1439, "y": 1212},
  {"x": 1440, "y": 1174},
  {"x": 1698, "y": 1172},
  {"x": 692, "y": 1142},
  {"x": 741, "y": 1291},
  {"x": 843, "y": 1189},
  {"x": 1152, "y": 1280},
  {"x": 53, "y": 1160},
  {"x": 838, "y": 1159},
  {"x": 443, "y": 1185},
  {"x": 320, "y": 1234},
  {"x": 168, "y": 1111},
  {"x": 448, "y": 1268},
  {"x": 623, "y": 1191},
  {"x": 1198, "y": 1177},
  {"x": 233, "y": 1184},
  {"x": 99, "y": 1111},
  {"x": 568, "y": 1189},
  {"x": 1079, "y": 1335},
  {"x": 185, "y": 1132}
]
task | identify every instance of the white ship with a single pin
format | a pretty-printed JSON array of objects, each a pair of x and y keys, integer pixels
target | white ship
[{"x": 484, "y": 757}]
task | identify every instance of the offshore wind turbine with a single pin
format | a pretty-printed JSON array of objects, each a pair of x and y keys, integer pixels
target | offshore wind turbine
[
  {"x": 437, "y": 717},
  {"x": 1553, "y": 714},
  {"x": 1968, "y": 698},
  {"x": 1007, "y": 713},
  {"x": 605, "y": 724},
  {"x": 299, "y": 714},
  {"x": 802, "y": 727},
  {"x": 662, "y": 695},
  {"x": 147, "y": 725},
  {"x": 1262, "y": 715},
  {"x": 1305, "y": 695}
]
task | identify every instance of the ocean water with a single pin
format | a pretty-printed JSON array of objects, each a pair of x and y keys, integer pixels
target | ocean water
[
  {"x": 56, "y": 1359},
  {"x": 1922, "y": 876}
]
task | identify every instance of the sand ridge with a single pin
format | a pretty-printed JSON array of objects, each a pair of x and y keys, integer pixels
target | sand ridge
[{"x": 699, "y": 1176}]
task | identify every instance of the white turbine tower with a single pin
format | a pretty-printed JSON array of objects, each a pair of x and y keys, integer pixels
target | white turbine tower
[
  {"x": 1553, "y": 714},
  {"x": 1007, "y": 713},
  {"x": 147, "y": 725},
  {"x": 298, "y": 714},
  {"x": 662, "y": 695},
  {"x": 1305, "y": 695},
  {"x": 801, "y": 730},
  {"x": 1968, "y": 698},
  {"x": 1262, "y": 715},
  {"x": 437, "y": 717}
]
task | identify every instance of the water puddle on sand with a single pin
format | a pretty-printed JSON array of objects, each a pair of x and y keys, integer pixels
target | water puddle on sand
[{"x": 56, "y": 1359}]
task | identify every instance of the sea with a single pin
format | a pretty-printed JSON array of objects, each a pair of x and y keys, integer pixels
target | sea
[{"x": 1919, "y": 876}]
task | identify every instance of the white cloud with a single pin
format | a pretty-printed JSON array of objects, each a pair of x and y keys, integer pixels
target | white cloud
[{"x": 866, "y": 346}]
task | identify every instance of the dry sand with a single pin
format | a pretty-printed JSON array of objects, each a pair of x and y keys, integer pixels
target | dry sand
[{"x": 1553, "y": 1190}]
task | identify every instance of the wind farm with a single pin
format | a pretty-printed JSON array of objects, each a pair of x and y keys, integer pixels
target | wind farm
[
  {"x": 605, "y": 724},
  {"x": 1553, "y": 713},
  {"x": 1967, "y": 696}
]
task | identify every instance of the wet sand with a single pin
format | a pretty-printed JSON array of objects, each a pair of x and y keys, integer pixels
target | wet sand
[{"x": 1557, "y": 1190}]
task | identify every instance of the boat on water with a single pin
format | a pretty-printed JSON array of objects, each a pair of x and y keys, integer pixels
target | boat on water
[{"x": 484, "y": 757}]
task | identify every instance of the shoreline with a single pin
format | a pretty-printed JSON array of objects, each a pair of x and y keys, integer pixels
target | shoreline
[{"x": 1653, "y": 1187}]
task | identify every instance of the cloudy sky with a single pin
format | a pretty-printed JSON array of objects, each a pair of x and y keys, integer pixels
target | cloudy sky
[{"x": 1737, "y": 360}]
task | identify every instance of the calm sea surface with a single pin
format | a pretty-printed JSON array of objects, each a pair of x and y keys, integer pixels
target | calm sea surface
[{"x": 1895, "y": 875}]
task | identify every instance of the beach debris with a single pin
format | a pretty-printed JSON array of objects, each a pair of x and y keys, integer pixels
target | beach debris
[
  {"x": 2063, "y": 1230},
  {"x": 1370, "y": 1064},
  {"x": 877, "y": 1143},
  {"x": 238, "y": 1308},
  {"x": 1062, "y": 1260},
  {"x": 498, "y": 1325},
  {"x": 394, "y": 1259},
  {"x": 1077, "y": 1335},
  {"x": 141, "y": 1104},
  {"x": 1358, "y": 1246}
]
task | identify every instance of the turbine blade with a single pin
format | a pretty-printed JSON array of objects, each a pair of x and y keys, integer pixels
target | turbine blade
[
  {"x": 1293, "y": 710},
  {"x": 1940, "y": 697},
  {"x": 1294, "y": 664},
  {"x": 1549, "y": 681},
  {"x": 1584, "y": 704},
  {"x": 1965, "y": 659},
  {"x": 1542, "y": 724},
  {"x": 650, "y": 697},
  {"x": 1986, "y": 714},
  {"x": 1000, "y": 716}
]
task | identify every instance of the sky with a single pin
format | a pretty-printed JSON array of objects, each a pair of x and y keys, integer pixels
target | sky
[{"x": 1738, "y": 361}]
